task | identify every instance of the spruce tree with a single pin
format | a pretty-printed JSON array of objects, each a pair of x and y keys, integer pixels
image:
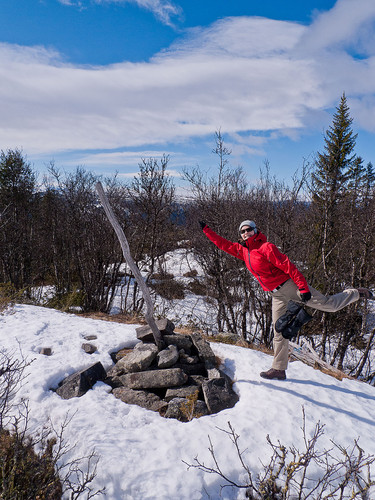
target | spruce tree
[
  {"x": 17, "y": 188},
  {"x": 337, "y": 169}
]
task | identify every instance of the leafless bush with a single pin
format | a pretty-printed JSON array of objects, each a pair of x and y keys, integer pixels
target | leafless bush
[
  {"x": 8, "y": 297},
  {"x": 11, "y": 374},
  {"x": 191, "y": 274},
  {"x": 169, "y": 289},
  {"x": 35, "y": 465},
  {"x": 294, "y": 474}
]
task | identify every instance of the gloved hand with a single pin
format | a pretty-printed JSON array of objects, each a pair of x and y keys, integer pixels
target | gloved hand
[
  {"x": 202, "y": 224},
  {"x": 305, "y": 296}
]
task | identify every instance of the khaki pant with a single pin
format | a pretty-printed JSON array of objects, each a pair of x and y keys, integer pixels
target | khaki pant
[{"x": 289, "y": 291}]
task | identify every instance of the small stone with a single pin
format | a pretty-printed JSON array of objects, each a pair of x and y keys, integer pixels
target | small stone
[
  {"x": 167, "y": 357},
  {"x": 47, "y": 351},
  {"x": 89, "y": 348},
  {"x": 90, "y": 337},
  {"x": 213, "y": 372},
  {"x": 185, "y": 358},
  {"x": 137, "y": 360},
  {"x": 145, "y": 334}
]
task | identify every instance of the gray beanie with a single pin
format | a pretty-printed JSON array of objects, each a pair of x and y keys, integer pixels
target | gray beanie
[{"x": 249, "y": 223}]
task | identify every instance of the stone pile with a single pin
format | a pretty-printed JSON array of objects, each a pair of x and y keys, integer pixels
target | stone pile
[{"x": 180, "y": 381}]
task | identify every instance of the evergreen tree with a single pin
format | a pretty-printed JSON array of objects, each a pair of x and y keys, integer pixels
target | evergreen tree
[
  {"x": 337, "y": 170},
  {"x": 17, "y": 187},
  {"x": 17, "y": 180}
]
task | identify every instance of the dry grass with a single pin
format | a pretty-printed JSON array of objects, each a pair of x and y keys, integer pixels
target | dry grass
[{"x": 116, "y": 318}]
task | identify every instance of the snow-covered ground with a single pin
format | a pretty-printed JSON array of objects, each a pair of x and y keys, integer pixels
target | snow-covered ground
[
  {"x": 193, "y": 310},
  {"x": 142, "y": 453}
]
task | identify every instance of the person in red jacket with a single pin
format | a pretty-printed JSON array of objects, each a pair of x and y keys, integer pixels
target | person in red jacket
[{"x": 280, "y": 277}]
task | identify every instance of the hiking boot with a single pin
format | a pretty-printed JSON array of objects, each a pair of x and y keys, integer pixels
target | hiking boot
[
  {"x": 365, "y": 293},
  {"x": 274, "y": 374}
]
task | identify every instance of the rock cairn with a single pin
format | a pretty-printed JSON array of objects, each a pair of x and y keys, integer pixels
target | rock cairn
[{"x": 182, "y": 380}]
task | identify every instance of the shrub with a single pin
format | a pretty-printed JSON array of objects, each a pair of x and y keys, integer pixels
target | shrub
[
  {"x": 25, "y": 474},
  {"x": 286, "y": 476},
  {"x": 67, "y": 301},
  {"x": 8, "y": 296},
  {"x": 191, "y": 274},
  {"x": 170, "y": 289},
  {"x": 162, "y": 276},
  {"x": 197, "y": 288}
]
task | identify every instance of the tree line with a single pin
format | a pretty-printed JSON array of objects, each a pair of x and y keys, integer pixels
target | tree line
[{"x": 55, "y": 234}]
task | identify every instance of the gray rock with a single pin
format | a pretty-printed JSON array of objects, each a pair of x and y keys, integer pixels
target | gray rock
[
  {"x": 197, "y": 380},
  {"x": 188, "y": 359},
  {"x": 139, "y": 359},
  {"x": 185, "y": 410},
  {"x": 79, "y": 383},
  {"x": 205, "y": 352},
  {"x": 195, "y": 369},
  {"x": 168, "y": 357},
  {"x": 121, "y": 353},
  {"x": 112, "y": 372},
  {"x": 200, "y": 409},
  {"x": 182, "y": 392},
  {"x": 89, "y": 348},
  {"x": 90, "y": 337},
  {"x": 144, "y": 399},
  {"x": 47, "y": 351},
  {"x": 154, "y": 379},
  {"x": 165, "y": 327},
  {"x": 218, "y": 394},
  {"x": 178, "y": 408},
  {"x": 213, "y": 372},
  {"x": 180, "y": 341}
]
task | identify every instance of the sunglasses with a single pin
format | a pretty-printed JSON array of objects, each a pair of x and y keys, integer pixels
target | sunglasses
[{"x": 247, "y": 230}]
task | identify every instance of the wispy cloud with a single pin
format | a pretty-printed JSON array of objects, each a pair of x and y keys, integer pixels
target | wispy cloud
[
  {"x": 163, "y": 10},
  {"x": 125, "y": 158},
  {"x": 242, "y": 74}
]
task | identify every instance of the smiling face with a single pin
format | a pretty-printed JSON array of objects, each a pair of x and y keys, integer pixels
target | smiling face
[{"x": 246, "y": 232}]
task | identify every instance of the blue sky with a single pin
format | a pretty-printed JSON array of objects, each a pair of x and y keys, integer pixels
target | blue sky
[{"x": 104, "y": 83}]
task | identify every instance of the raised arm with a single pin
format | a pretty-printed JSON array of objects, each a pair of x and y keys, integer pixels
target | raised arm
[{"x": 230, "y": 247}]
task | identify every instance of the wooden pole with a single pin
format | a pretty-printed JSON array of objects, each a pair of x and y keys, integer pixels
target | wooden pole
[{"x": 133, "y": 266}]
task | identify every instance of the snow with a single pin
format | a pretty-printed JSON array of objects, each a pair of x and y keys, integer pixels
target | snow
[{"x": 142, "y": 453}]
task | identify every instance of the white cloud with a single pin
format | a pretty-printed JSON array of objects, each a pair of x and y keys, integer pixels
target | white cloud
[
  {"x": 163, "y": 10},
  {"x": 124, "y": 158},
  {"x": 241, "y": 74},
  {"x": 348, "y": 23}
]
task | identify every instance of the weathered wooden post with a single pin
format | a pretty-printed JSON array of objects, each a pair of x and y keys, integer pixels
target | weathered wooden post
[{"x": 133, "y": 266}]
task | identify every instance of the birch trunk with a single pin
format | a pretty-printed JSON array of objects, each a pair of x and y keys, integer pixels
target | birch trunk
[{"x": 133, "y": 266}]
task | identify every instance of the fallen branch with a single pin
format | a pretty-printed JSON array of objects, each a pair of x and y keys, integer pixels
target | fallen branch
[
  {"x": 133, "y": 266},
  {"x": 307, "y": 355}
]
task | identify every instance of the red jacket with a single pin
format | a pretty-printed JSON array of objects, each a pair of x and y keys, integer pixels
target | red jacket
[{"x": 269, "y": 266}]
